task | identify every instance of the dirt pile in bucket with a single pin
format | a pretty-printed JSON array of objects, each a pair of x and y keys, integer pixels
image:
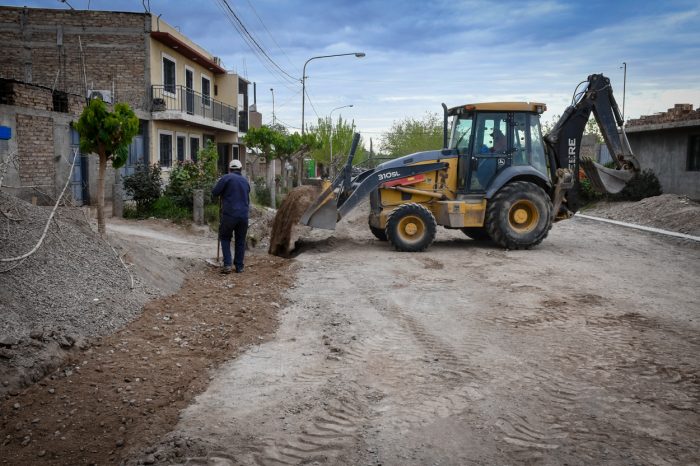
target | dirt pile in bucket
[{"x": 288, "y": 215}]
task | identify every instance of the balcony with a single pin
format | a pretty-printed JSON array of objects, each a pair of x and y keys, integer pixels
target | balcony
[{"x": 182, "y": 104}]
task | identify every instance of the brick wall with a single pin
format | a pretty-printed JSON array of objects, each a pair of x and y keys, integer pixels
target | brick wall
[
  {"x": 44, "y": 49},
  {"x": 679, "y": 112},
  {"x": 36, "y": 97},
  {"x": 36, "y": 150}
]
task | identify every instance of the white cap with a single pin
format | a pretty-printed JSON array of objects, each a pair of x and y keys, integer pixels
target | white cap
[{"x": 235, "y": 164}]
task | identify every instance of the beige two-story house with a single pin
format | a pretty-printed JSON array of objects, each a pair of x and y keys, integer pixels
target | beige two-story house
[{"x": 181, "y": 93}]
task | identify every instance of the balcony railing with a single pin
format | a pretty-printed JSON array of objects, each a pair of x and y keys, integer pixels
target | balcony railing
[{"x": 182, "y": 99}]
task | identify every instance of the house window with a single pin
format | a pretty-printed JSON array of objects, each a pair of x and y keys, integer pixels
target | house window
[
  {"x": 166, "y": 149},
  {"x": 181, "y": 148},
  {"x": 694, "y": 153},
  {"x": 168, "y": 74},
  {"x": 194, "y": 147},
  {"x": 206, "y": 91}
]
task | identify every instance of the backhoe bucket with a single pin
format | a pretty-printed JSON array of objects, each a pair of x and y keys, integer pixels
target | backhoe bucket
[
  {"x": 323, "y": 213},
  {"x": 606, "y": 180}
]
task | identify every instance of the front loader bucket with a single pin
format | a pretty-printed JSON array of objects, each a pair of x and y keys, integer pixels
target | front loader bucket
[
  {"x": 323, "y": 213},
  {"x": 606, "y": 180}
]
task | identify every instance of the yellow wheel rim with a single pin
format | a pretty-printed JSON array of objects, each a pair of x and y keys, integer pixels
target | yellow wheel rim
[
  {"x": 411, "y": 228},
  {"x": 523, "y": 216}
]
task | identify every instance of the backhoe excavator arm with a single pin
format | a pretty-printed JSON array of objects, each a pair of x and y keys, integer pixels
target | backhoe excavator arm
[{"x": 564, "y": 140}]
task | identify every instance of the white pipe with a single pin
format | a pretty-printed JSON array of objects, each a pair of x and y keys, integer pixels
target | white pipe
[{"x": 643, "y": 228}]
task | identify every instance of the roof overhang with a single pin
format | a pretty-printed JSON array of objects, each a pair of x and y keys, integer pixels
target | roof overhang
[{"x": 184, "y": 49}]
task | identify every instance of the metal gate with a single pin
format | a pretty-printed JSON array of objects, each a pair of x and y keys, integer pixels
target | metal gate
[
  {"x": 79, "y": 179},
  {"x": 135, "y": 156}
]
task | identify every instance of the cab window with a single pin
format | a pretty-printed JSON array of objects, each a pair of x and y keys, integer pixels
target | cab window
[
  {"x": 461, "y": 134},
  {"x": 539, "y": 160},
  {"x": 491, "y": 134}
]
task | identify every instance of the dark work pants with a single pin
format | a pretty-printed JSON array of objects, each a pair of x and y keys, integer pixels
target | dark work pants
[{"x": 238, "y": 228}]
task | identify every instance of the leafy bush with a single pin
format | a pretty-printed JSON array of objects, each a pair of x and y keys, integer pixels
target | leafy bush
[
  {"x": 187, "y": 176},
  {"x": 261, "y": 191},
  {"x": 130, "y": 211},
  {"x": 144, "y": 186},
  {"x": 644, "y": 185},
  {"x": 586, "y": 192},
  {"x": 165, "y": 207}
]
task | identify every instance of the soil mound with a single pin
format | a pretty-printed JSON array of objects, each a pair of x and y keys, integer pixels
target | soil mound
[
  {"x": 667, "y": 211},
  {"x": 288, "y": 215},
  {"x": 74, "y": 287}
]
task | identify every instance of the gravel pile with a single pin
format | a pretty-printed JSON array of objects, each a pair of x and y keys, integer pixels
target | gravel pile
[
  {"x": 667, "y": 211},
  {"x": 71, "y": 289},
  {"x": 74, "y": 280}
]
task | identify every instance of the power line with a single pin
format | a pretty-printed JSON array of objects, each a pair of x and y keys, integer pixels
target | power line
[
  {"x": 269, "y": 33},
  {"x": 253, "y": 44},
  {"x": 311, "y": 103}
]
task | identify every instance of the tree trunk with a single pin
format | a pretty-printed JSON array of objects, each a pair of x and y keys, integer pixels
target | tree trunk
[
  {"x": 271, "y": 182},
  {"x": 101, "y": 194}
]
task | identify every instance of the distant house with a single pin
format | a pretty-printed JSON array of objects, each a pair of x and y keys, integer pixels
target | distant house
[
  {"x": 55, "y": 59},
  {"x": 669, "y": 144}
]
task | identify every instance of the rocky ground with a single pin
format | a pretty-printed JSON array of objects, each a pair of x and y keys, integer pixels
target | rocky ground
[
  {"x": 581, "y": 351},
  {"x": 123, "y": 392}
]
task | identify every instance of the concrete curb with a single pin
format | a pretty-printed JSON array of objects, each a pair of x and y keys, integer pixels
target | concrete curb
[{"x": 643, "y": 228}]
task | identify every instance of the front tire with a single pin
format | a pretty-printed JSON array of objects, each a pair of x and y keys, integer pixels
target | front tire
[
  {"x": 519, "y": 216},
  {"x": 411, "y": 228}
]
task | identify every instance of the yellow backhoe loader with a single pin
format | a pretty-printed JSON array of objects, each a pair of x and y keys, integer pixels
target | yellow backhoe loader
[{"x": 496, "y": 177}]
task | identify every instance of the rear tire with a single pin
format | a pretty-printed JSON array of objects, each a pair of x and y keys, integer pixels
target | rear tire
[
  {"x": 476, "y": 233},
  {"x": 378, "y": 233},
  {"x": 411, "y": 228},
  {"x": 519, "y": 216}
]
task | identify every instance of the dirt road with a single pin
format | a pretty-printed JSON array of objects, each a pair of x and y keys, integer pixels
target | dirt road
[{"x": 585, "y": 350}]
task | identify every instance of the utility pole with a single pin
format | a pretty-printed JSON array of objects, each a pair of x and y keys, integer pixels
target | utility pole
[
  {"x": 273, "y": 107},
  {"x": 624, "y": 89}
]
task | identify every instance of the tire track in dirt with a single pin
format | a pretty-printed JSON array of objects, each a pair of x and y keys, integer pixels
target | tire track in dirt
[
  {"x": 591, "y": 378},
  {"x": 435, "y": 364},
  {"x": 330, "y": 433}
]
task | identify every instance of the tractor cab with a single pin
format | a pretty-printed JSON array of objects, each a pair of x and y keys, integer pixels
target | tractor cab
[{"x": 491, "y": 137}]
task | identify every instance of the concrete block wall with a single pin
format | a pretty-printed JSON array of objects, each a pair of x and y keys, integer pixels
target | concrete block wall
[{"x": 666, "y": 154}]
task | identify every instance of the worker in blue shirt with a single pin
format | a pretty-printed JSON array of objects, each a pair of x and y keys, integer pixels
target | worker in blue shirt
[{"x": 234, "y": 191}]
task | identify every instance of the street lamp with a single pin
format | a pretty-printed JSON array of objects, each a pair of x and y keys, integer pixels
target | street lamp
[
  {"x": 273, "y": 106},
  {"x": 303, "y": 79},
  {"x": 332, "y": 167}
]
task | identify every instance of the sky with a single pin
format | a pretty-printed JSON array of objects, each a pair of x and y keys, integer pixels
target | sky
[{"x": 422, "y": 53}]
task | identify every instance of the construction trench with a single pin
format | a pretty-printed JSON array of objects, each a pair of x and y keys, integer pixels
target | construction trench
[{"x": 583, "y": 350}]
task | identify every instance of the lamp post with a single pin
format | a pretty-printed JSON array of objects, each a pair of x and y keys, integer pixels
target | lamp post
[
  {"x": 303, "y": 79},
  {"x": 624, "y": 89},
  {"x": 273, "y": 107},
  {"x": 332, "y": 167}
]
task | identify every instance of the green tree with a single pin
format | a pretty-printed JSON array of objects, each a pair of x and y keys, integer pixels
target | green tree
[
  {"x": 342, "y": 133},
  {"x": 410, "y": 135},
  {"x": 591, "y": 127},
  {"x": 107, "y": 134},
  {"x": 265, "y": 140},
  {"x": 291, "y": 148}
]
